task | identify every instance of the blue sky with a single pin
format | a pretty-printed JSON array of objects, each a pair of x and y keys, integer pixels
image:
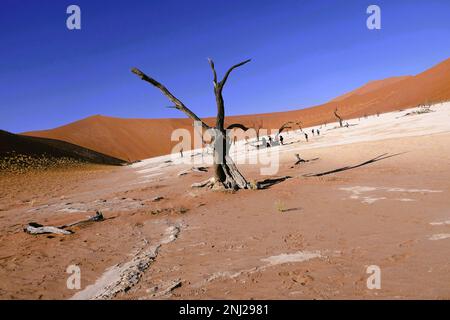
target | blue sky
[{"x": 303, "y": 54}]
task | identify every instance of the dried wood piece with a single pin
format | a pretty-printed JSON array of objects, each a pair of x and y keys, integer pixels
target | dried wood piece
[
  {"x": 36, "y": 228},
  {"x": 97, "y": 217},
  {"x": 207, "y": 183}
]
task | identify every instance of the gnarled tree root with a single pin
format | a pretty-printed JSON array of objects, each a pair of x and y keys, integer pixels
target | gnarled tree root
[
  {"x": 207, "y": 183},
  {"x": 212, "y": 183}
]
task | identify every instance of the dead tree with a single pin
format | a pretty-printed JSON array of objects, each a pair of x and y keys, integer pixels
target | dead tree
[
  {"x": 226, "y": 174},
  {"x": 338, "y": 116},
  {"x": 289, "y": 125}
]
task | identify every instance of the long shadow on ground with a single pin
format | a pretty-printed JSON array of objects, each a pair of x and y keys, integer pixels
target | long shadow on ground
[{"x": 379, "y": 158}]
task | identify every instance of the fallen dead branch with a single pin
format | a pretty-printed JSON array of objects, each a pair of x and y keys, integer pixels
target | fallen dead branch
[
  {"x": 36, "y": 228},
  {"x": 97, "y": 217},
  {"x": 422, "y": 110}
]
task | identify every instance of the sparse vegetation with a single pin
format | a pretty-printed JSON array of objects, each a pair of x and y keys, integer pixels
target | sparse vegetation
[
  {"x": 253, "y": 184},
  {"x": 15, "y": 163},
  {"x": 280, "y": 206},
  {"x": 178, "y": 210}
]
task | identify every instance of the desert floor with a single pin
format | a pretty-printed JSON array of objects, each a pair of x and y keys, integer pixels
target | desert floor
[{"x": 309, "y": 237}]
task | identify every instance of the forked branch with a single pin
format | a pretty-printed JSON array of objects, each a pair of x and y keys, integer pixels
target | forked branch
[
  {"x": 237, "y": 125},
  {"x": 220, "y": 84}
]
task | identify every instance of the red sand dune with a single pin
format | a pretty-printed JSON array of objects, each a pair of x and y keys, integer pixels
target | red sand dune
[
  {"x": 370, "y": 86},
  {"x": 134, "y": 139}
]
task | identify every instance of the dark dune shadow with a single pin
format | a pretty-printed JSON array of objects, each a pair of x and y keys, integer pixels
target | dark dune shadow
[{"x": 379, "y": 158}]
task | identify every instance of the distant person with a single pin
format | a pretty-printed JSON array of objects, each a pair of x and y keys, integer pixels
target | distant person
[
  {"x": 270, "y": 140},
  {"x": 181, "y": 152},
  {"x": 318, "y": 132},
  {"x": 306, "y": 137},
  {"x": 264, "y": 143},
  {"x": 312, "y": 131},
  {"x": 346, "y": 124},
  {"x": 281, "y": 139}
]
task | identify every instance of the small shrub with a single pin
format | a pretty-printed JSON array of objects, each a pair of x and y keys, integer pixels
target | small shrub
[{"x": 279, "y": 205}]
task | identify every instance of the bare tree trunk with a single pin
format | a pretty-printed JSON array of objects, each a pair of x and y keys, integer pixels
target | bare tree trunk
[
  {"x": 225, "y": 170},
  {"x": 338, "y": 116}
]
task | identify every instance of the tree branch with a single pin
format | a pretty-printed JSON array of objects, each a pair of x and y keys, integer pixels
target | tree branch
[
  {"x": 287, "y": 125},
  {"x": 225, "y": 78},
  {"x": 178, "y": 104},
  {"x": 211, "y": 63},
  {"x": 237, "y": 125}
]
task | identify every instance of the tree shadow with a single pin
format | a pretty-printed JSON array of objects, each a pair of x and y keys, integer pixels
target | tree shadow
[
  {"x": 379, "y": 158},
  {"x": 292, "y": 209},
  {"x": 267, "y": 183},
  {"x": 300, "y": 160}
]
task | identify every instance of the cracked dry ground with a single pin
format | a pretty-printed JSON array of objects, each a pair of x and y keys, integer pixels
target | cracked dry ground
[{"x": 305, "y": 238}]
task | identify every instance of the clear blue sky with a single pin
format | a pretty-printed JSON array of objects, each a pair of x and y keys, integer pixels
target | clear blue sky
[{"x": 304, "y": 53}]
